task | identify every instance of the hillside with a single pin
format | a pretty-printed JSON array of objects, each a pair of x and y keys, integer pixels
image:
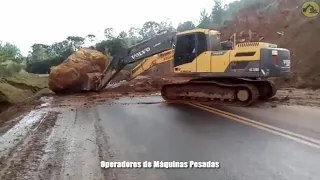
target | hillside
[
  {"x": 281, "y": 23},
  {"x": 300, "y": 36}
]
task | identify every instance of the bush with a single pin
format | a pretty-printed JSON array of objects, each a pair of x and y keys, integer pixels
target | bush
[
  {"x": 10, "y": 68},
  {"x": 44, "y": 66}
]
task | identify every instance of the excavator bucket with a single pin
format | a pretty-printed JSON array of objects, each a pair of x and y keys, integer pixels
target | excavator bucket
[
  {"x": 91, "y": 82},
  {"x": 81, "y": 71}
]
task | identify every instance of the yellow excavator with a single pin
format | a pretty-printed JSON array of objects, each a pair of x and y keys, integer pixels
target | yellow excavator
[{"x": 220, "y": 72}]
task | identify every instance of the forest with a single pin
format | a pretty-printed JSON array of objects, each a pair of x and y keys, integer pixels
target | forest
[{"x": 43, "y": 56}]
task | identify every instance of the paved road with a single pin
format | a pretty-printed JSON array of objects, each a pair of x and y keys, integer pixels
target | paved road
[
  {"x": 146, "y": 129},
  {"x": 299, "y": 119},
  {"x": 183, "y": 133}
]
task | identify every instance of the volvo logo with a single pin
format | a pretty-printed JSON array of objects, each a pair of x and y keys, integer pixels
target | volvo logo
[{"x": 141, "y": 53}]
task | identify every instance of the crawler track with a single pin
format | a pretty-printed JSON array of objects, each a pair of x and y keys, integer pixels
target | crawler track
[{"x": 239, "y": 92}]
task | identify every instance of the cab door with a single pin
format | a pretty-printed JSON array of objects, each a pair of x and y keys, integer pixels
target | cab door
[
  {"x": 185, "y": 54},
  {"x": 203, "y": 56}
]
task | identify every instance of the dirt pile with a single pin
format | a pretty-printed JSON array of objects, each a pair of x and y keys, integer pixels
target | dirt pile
[
  {"x": 287, "y": 27},
  {"x": 122, "y": 75},
  {"x": 72, "y": 75}
]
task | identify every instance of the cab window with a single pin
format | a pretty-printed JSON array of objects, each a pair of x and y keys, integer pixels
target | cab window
[
  {"x": 185, "y": 49},
  {"x": 215, "y": 42},
  {"x": 202, "y": 43}
]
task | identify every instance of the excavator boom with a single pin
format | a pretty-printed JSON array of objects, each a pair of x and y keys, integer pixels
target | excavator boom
[
  {"x": 148, "y": 63},
  {"x": 163, "y": 41}
]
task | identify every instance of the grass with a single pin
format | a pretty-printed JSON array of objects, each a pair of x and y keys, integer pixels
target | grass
[
  {"x": 32, "y": 80},
  {"x": 19, "y": 93},
  {"x": 13, "y": 94},
  {"x": 23, "y": 87}
]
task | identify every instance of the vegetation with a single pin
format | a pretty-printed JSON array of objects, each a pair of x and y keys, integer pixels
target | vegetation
[{"x": 41, "y": 56}]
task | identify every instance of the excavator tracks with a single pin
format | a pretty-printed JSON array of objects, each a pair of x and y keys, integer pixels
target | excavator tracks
[{"x": 237, "y": 93}]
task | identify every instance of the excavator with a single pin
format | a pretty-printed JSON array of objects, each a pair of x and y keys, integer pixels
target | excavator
[{"x": 220, "y": 72}]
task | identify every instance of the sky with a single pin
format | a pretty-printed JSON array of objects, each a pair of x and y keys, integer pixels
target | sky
[{"x": 25, "y": 22}]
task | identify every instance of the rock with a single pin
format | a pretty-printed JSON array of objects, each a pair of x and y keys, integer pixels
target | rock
[{"x": 81, "y": 69}]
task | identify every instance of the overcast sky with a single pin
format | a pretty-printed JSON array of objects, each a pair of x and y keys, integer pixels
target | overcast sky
[{"x": 25, "y": 22}]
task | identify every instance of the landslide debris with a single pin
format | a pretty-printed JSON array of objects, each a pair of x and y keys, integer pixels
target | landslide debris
[{"x": 77, "y": 70}]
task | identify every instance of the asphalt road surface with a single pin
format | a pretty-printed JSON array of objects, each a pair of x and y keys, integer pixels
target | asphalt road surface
[{"x": 265, "y": 143}]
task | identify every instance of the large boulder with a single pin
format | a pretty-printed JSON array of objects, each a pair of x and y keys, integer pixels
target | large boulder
[{"x": 80, "y": 71}]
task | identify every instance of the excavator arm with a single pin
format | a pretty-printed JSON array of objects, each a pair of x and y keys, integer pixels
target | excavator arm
[
  {"x": 162, "y": 42},
  {"x": 149, "y": 62}
]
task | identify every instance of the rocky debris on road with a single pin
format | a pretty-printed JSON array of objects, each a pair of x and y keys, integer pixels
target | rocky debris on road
[
  {"x": 292, "y": 96},
  {"x": 82, "y": 68}
]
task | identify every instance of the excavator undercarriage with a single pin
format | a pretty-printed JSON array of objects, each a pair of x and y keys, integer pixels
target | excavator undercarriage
[{"x": 235, "y": 92}]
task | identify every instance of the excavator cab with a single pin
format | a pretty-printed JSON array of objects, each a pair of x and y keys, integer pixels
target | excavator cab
[
  {"x": 201, "y": 53},
  {"x": 193, "y": 50}
]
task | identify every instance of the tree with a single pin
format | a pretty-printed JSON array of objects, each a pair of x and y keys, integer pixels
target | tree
[
  {"x": 60, "y": 47},
  {"x": 112, "y": 47},
  {"x": 133, "y": 36},
  {"x": 166, "y": 25},
  {"x": 109, "y": 33},
  {"x": 149, "y": 29},
  {"x": 134, "y": 32},
  {"x": 39, "y": 52},
  {"x": 205, "y": 20},
  {"x": 122, "y": 35},
  {"x": 76, "y": 42},
  {"x": 217, "y": 13},
  {"x": 91, "y": 38},
  {"x": 232, "y": 9},
  {"x": 10, "y": 52},
  {"x": 188, "y": 25},
  {"x": 42, "y": 57}
]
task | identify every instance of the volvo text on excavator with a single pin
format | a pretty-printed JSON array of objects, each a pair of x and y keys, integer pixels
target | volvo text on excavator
[{"x": 220, "y": 72}]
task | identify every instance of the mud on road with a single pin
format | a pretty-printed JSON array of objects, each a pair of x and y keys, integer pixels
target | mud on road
[
  {"x": 53, "y": 143},
  {"x": 59, "y": 139},
  {"x": 24, "y": 155},
  {"x": 62, "y": 137}
]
